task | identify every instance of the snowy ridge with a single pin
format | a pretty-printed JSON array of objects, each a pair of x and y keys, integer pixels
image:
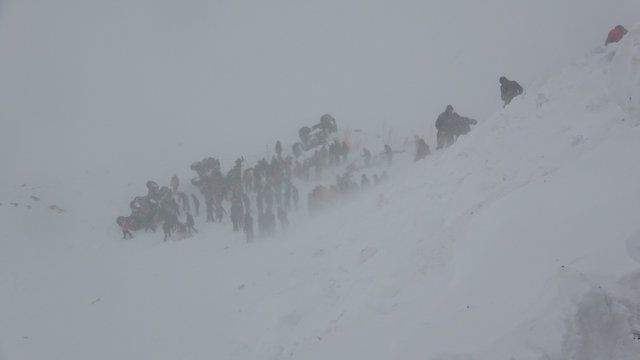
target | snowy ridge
[
  {"x": 517, "y": 242},
  {"x": 548, "y": 172}
]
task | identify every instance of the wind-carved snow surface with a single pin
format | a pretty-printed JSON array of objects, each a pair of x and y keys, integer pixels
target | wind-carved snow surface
[{"x": 518, "y": 242}]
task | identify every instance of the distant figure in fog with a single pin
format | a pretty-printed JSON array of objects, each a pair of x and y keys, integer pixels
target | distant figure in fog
[
  {"x": 248, "y": 226},
  {"x": 166, "y": 228},
  {"x": 284, "y": 220},
  {"x": 450, "y": 125},
  {"x": 296, "y": 197},
  {"x": 509, "y": 89},
  {"x": 210, "y": 211},
  {"x": 364, "y": 181},
  {"x": 191, "y": 224},
  {"x": 366, "y": 155},
  {"x": 123, "y": 222},
  {"x": 422, "y": 149},
  {"x": 616, "y": 34},
  {"x": 388, "y": 154},
  {"x": 237, "y": 214},
  {"x": 220, "y": 213}
]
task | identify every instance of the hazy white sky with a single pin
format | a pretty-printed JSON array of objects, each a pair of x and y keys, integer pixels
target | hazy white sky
[{"x": 152, "y": 84}]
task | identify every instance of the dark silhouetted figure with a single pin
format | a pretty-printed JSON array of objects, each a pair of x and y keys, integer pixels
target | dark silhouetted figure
[
  {"x": 175, "y": 182},
  {"x": 191, "y": 224},
  {"x": 181, "y": 230},
  {"x": 260, "y": 201},
  {"x": 246, "y": 202},
  {"x": 366, "y": 155},
  {"x": 236, "y": 214},
  {"x": 123, "y": 222},
  {"x": 184, "y": 199},
  {"x": 450, "y": 125},
  {"x": 296, "y": 196},
  {"x": 220, "y": 212},
  {"x": 210, "y": 211},
  {"x": 443, "y": 125},
  {"x": 166, "y": 228},
  {"x": 509, "y": 89},
  {"x": 284, "y": 220},
  {"x": 422, "y": 149},
  {"x": 364, "y": 181},
  {"x": 388, "y": 154},
  {"x": 248, "y": 226}
]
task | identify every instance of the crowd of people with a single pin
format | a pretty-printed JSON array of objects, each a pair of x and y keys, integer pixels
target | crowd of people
[{"x": 267, "y": 189}]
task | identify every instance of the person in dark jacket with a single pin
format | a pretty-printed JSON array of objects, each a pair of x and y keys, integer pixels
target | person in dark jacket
[
  {"x": 237, "y": 214},
  {"x": 388, "y": 154},
  {"x": 422, "y": 149},
  {"x": 444, "y": 125},
  {"x": 191, "y": 224},
  {"x": 210, "y": 211},
  {"x": 248, "y": 226},
  {"x": 123, "y": 222},
  {"x": 509, "y": 89},
  {"x": 616, "y": 34},
  {"x": 366, "y": 155},
  {"x": 283, "y": 218},
  {"x": 220, "y": 213},
  {"x": 295, "y": 195},
  {"x": 166, "y": 228}
]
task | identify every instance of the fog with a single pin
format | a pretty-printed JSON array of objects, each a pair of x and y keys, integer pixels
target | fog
[
  {"x": 517, "y": 240},
  {"x": 149, "y": 86}
]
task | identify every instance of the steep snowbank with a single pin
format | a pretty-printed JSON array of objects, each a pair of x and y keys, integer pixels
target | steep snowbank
[{"x": 490, "y": 227}]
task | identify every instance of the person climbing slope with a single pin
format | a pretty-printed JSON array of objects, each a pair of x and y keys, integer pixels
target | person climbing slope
[
  {"x": 615, "y": 35},
  {"x": 509, "y": 89}
]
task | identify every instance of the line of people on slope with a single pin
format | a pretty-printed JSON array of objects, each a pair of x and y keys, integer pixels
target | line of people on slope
[
  {"x": 450, "y": 125},
  {"x": 164, "y": 204}
]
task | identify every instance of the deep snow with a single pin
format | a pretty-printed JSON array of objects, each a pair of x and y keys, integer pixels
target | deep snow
[{"x": 521, "y": 241}]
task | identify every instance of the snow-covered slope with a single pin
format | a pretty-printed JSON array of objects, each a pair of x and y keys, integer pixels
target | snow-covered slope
[
  {"x": 520, "y": 241},
  {"x": 512, "y": 243}
]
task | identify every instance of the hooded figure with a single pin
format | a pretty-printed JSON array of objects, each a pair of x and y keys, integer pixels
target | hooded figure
[
  {"x": 508, "y": 90},
  {"x": 444, "y": 125},
  {"x": 422, "y": 149}
]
